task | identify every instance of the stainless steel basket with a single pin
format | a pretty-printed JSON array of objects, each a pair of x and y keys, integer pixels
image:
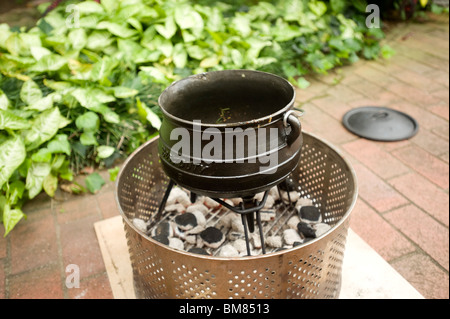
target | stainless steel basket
[{"x": 311, "y": 270}]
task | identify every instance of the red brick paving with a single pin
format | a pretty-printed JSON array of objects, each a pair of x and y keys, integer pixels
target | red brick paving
[
  {"x": 425, "y": 164},
  {"x": 33, "y": 244},
  {"x": 403, "y": 206},
  {"x": 368, "y": 221},
  {"x": 402, "y": 210},
  {"x": 426, "y": 232},
  {"x": 375, "y": 158},
  {"x": 92, "y": 288},
  {"x": 77, "y": 246},
  {"x": 38, "y": 283},
  {"x": 2, "y": 276},
  {"x": 424, "y": 194},
  {"x": 377, "y": 192},
  {"x": 422, "y": 273}
]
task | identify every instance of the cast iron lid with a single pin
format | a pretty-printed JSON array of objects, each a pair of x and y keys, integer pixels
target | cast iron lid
[{"x": 380, "y": 123}]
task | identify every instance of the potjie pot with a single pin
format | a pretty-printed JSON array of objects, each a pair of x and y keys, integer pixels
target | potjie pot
[{"x": 231, "y": 133}]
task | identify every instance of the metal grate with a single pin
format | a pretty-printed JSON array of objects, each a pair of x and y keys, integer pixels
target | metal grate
[
  {"x": 270, "y": 228},
  {"x": 311, "y": 270}
]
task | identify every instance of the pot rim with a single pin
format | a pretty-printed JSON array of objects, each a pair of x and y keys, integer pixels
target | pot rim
[{"x": 258, "y": 121}]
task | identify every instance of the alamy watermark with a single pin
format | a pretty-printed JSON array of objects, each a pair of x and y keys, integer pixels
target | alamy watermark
[
  {"x": 73, "y": 19},
  {"x": 230, "y": 145},
  {"x": 73, "y": 276},
  {"x": 373, "y": 19}
]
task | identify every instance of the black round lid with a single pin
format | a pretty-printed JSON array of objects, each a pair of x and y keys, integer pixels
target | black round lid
[{"x": 380, "y": 123}]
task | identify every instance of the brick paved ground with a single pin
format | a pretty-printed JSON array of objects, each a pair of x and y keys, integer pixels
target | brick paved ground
[{"x": 402, "y": 211}]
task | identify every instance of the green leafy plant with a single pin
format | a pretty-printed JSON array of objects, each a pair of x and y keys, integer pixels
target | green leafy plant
[
  {"x": 80, "y": 90},
  {"x": 94, "y": 182}
]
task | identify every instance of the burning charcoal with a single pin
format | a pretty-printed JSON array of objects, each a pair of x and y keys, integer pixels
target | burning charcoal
[
  {"x": 224, "y": 209},
  {"x": 225, "y": 221},
  {"x": 240, "y": 245},
  {"x": 269, "y": 202},
  {"x": 228, "y": 251},
  {"x": 310, "y": 214},
  {"x": 179, "y": 208},
  {"x": 267, "y": 215},
  {"x": 176, "y": 231},
  {"x": 212, "y": 237},
  {"x": 177, "y": 195},
  {"x": 199, "y": 200},
  {"x": 234, "y": 235},
  {"x": 184, "y": 200},
  {"x": 176, "y": 243},
  {"x": 256, "y": 239},
  {"x": 303, "y": 201},
  {"x": 236, "y": 201},
  {"x": 211, "y": 203},
  {"x": 186, "y": 221},
  {"x": 293, "y": 222},
  {"x": 290, "y": 236},
  {"x": 195, "y": 230},
  {"x": 200, "y": 217},
  {"x": 293, "y": 196},
  {"x": 306, "y": 229},
  {"x": 191, "y": 239},
  {"x": 197, "y": 207},
  {"x": 236, "y": 223},
  {"x": 140, "y": 224},
  {"x": 274, "y": 241},
  {"x": 196, "y": 250},
  {"x": 164, "y": 229},
  {"x": 199, "y": 242},
  {"x": 174, "y": 192},
  {"x": 259, "y": 197},
  {"x": 321, "y": 228},
  {"x": 162, "y": 239},
  {"x": 201, "y": 222},
  {"x": 274, "y": 193}
]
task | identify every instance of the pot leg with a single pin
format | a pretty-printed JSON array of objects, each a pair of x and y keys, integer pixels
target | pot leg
[
  {"x": 162, "y": 205},
  {"x": 247, "y": 239}
]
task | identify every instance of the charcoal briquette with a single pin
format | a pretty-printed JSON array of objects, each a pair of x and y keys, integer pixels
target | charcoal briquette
[
  {"x": 306, "y": 229},
  {"x": 186, "y": 221},
  {"x": 310, "y": 214},
  {"x": 212, "y": 237},
  {"x": 162, "y": 239},
  {"x": 163, "y": 229},
  {"x": 196, "y": 250}
]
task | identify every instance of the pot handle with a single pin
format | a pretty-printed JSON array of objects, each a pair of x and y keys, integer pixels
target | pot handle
[{"x": 291, "y": 120}]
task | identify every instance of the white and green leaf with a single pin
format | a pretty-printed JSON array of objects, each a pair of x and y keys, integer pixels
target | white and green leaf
[
  {"x": 30, "y": 92},
  {"x": 44, "y": 127},
  {"x": 104, "y": 151},
  {"x": 11, "y": 217},
  {"x": 35, "y": 178},
  {"x": 9, "y": 120},
  {"x": 12, "y": 155}
]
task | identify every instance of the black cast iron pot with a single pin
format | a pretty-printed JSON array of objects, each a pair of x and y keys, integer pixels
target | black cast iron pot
[{"x": 229, "y": 133}]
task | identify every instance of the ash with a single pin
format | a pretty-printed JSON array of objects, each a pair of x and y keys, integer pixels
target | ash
[{"x": 206, "y": 227}]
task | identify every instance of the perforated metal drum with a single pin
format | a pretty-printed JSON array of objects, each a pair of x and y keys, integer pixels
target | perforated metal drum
[{"x": 311, "y": 270}]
